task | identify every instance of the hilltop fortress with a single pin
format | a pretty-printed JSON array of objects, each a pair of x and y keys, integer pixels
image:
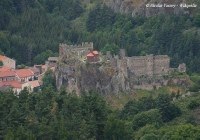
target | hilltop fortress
[
  {"x": 149, "y": 65},
  {"x": 111, "y": 74}
]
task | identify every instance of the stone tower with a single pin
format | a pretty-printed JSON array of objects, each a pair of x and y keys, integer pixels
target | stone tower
[
  {"x": 150, "y": 65},
  {"x": 61, "y": 49},
  {"x": 122, "y": 54}
]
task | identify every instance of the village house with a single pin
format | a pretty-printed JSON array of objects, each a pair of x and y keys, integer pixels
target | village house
[
  {"x": 8, "y": 61},
  {"x": 5, "y": 68},
  {"x": 4, "y": 88},
  {"x": 15, "y": 85},
  {"x": 7, "y": 76},
  {"x": 24, "y": 75},
  {"x": 42, "y": 68},
  {"x": 51, "y": 61},
  {"x": 31, "y": 85},
  {"x": 35, "y": 71}
]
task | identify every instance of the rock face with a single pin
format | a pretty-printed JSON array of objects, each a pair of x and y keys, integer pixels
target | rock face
[
  {"x": 149, "y": 7},
  {"x": 110, "y": 76},
  {"x": 85, "y": 76}
]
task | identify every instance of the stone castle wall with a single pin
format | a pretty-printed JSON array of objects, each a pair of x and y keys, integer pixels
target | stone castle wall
[
  {"x": 149, "y": 65},
  {"x": 161, "y": 65},
  {"x": 78, "y": 50},
  {"x": 137, "y": 65}
]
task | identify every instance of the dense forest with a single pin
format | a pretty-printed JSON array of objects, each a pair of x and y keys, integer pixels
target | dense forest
[
  {"x": 31, "y": 30},
  {"x": 47, "y": 115}
]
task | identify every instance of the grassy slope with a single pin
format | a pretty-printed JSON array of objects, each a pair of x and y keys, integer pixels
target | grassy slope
[{"x": 118, "y": 101}]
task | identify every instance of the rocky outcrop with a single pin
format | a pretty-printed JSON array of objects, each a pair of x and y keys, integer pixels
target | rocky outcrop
[
  {"x": 114, "y": 75},
  {"x": 85, "y": 76},
  {"x": 149, "y": 7},
  {"x": 109, "y": 77}
]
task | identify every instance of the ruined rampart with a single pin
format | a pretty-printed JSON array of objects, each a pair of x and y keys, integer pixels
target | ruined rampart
[
  {"x": 78, "y": 50},
  {"x": 149, "y": 65}
]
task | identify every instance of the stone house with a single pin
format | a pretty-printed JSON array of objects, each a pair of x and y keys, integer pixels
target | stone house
[
  {"x": 8, "y": 61},
  {"x": 24, "y": 75},
  {"x": 42, "y": 68},
  {"x": 5, "y": 68},
  {"x": 35, "y": 71},
  {"x": 15, "y": 85},
  {"x": 7, "y": 76},
  {"x": 31, "y": 85}
]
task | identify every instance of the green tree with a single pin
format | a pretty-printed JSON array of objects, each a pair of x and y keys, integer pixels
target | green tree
[
  {"x": 150, "y": 136},
  {"x": 115, "y": 129},
  {"x": 149, "y": 117},
  {"x": 168, "y": 110},
  {"x": 48, "y": 79},
  {"x": 131, "y": 109},
  {"x": 41, "y": 58},
  {"x": 4, "y": 44},
  {"x": 197, "y": 20},
  {"x": 95, "y": 105},
  {"x": 113, "y": 48},
  {"x": 193, "y": 104}
]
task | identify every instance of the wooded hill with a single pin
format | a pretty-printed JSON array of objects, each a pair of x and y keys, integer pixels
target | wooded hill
[{"x": 31, "y": 30}]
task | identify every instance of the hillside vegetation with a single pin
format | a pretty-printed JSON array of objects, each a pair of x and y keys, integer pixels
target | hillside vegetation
[
  {"x": 30, "y": 31},
  {"x": 60, "y": 115}
]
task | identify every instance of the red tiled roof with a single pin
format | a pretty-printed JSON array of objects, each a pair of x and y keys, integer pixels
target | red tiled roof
[
  {"x": 34, "y": 83},
  {"x": 90, "y": 54},
  {"x": 2, "y": 57},
  {"x": 5, "y": 68},
  {"x": 95, "y": 52},
  {"x": 14, "y": 84},
  {"x": 24, "y": 73},
  {"x": 7, "y": 74},
  {"x": 43, "y": 66}
]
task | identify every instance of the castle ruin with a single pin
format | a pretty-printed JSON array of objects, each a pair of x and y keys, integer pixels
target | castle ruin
[
  {"x": 150, "y": 65},
  {"x": 112, "y": 74}
]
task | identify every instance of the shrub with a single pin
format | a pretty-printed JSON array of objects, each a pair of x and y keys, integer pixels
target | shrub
[{"x": 193, "y": 104}]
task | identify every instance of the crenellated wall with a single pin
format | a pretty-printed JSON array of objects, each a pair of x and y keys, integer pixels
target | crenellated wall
[{"x": 78, "y": 50}]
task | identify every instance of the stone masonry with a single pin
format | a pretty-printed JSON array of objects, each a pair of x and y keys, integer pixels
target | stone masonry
[
  {"x": 78, "y": 50},
  {"x": 149, "y": 65}
]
